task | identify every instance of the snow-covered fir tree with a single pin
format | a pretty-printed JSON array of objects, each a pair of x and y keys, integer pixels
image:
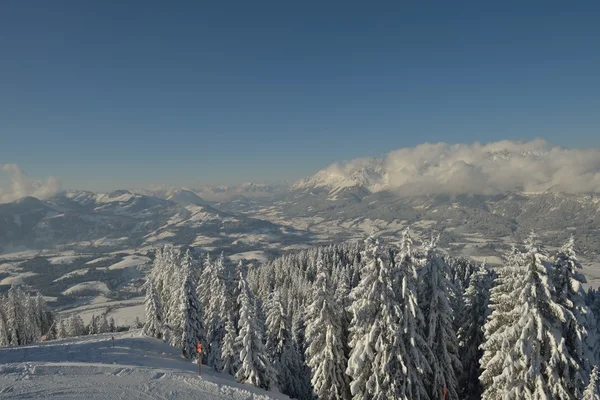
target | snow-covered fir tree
[
  {"x": 103, "y": 325},
  {"x": 254, "y": 367},
  {"x": 93, "y": 326},
  {"x": 192, "y": 329},
  {"x": 25, "y": 318},
  {"x": 413, "y": 352},
  {"x": 229, "y": 355},
  {"x": 325, "y": 354},
  {"x": 279, "y": 341},
  {"x": 154, "y": 325},
  {"x": 578, "y": 326},
  {"x": 592, "y": 392},
  {"x": 471, "y": 335},
  {"x": 524, "y": 353},
  {"x": 4, "y": 341},
  {"x": 374, "y": 366},
  {"x": 439, "y": 325},
  {"x": 62, "y": 329},
  {"x": 75, "y": 326},
  {"x": 45, "y": 316},
  {"x": 213, "y": 293}
]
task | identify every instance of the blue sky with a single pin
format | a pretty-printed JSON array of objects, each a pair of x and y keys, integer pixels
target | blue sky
[{"x": 105, "y": 94}]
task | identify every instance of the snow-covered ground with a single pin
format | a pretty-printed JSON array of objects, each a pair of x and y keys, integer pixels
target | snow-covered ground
[
  {"x": 95, "y": 286},
  {"x": 68, "y": 259},
  {"x": 90, "y": 368},
  {"x": 130, "y": 261},
  {"x": 249, "y": 255}
]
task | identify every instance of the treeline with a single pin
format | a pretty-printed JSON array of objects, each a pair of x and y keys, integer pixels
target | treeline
[
  {"x": 23, "y": 318},
  {"x": 26, "y": 319},
  {"x": 73, "y": 326},
  {"x": 385, "y": 322}
]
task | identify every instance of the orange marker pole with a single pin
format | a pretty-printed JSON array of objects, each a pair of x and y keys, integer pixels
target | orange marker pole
[
  {"x": 444, "y": 392},
  {"x": 199, "y": 351}
]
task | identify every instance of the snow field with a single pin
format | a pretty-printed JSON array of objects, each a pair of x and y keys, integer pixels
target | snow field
[{"x": 90, "y": 368}]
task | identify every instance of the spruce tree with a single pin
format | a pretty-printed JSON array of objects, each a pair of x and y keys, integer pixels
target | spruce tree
[
  {"x": 413, "y": 352},
  {"x": 325, "y": 354},
  {"x": 229, "y": 355},
  {"x": 439, "y": 326},
  {"x": 254, "y": 367},
  {"x": 215, "y": 303},
  {"x": 75, "y": 326},
  {"x": 523, "y": 347},
  {"x": 3, "y": 333},
  {"x": 192, "y": 329},
  {"x": 471, "y": 334},
  {"x": 592, "y": 392},
  {"x": 153, "y": 326},
  {"x": 374, "y": 366},
  {"x": 103, "y": 326},
  {"x": 93, "y": 326},
  {"x": 44, "y": 314},
  {"x": 578, "y": 324},
  {"x": 62, "y": 329},
  {"x": 279, "y": 341}
]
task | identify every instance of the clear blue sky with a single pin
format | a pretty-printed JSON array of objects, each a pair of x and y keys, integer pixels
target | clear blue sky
[{"x": 106, "y": 94}]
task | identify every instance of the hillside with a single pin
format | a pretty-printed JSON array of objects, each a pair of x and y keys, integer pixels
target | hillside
[{"x": 136, "y": 368}]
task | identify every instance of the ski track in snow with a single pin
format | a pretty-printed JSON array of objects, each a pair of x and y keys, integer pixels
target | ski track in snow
[{"x": 136, "y": 368}]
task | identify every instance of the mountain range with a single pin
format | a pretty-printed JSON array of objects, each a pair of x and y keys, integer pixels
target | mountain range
[{"x": 335, "y": 204}]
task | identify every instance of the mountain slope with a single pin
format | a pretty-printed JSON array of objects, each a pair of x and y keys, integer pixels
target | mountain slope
[
  {"x": 91, "y": 368},
  {"x": 120, "y": 218}
]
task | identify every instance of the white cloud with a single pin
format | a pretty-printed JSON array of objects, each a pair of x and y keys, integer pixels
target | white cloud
[
  {"x": 497, "y": 167},
  {"x": 21, "y": 185}
]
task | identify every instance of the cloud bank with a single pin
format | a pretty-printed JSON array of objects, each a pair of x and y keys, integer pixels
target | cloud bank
[
  {"x": 492, "y": 168},
  {"x": 21, "y": 185}
]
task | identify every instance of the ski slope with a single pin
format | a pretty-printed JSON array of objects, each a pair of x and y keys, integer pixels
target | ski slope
[{"x": 90, "y": 368}]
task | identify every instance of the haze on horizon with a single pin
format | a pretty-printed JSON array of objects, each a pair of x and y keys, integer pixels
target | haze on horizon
[{"x": 102, "y": 96}]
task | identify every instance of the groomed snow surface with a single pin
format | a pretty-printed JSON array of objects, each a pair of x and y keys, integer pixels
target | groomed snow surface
[{"x": 89, "y": 368}]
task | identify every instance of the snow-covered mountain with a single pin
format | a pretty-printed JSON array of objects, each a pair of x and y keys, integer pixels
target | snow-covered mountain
[
  {"x": 482, "y": 169},
  {"x": 184, "y": 197},
  {"x": 368, "y": 174},
  {"x": 77, "y": 218},
  {"x": 247, "y": 189}
]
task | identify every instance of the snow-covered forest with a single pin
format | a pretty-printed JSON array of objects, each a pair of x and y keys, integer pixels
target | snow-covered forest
[
  {"x": 365, "y": 321},
  {"x": 23, "y": 318},
  {"x": 372, "y": 321}
]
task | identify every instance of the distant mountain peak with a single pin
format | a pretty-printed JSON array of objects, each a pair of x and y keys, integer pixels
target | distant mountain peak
[{"x": 369, "y": 174}]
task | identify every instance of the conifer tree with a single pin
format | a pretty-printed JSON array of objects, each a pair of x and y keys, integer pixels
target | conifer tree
[
  {"x": 103, "y": 325},
  {"x": 254, "y": 367},
  {"x": 153, "y": 326},
  {"x": 44, "y": 315},
  {"x": 3, "y": 333},
  {"x": 215, "y": 303},
  {"x": 75, "y": 326},
  {"x": 279, "y": 341},
  {"x": 325, "y": 355},
  {"x": 523, "y": 350},
  {"x": 192, "y": 329},
  {"x": 373, "y": 366},
  {"x": 592, "y": 392},
  {"x": 413, "y": 351},
  {"x": 471, "y": 334},
  {"x": 93, "y": 326},
  {"x": 578, "y": 324},
  {"x": 439, "y": 325},
  {"x": 229, "y": 355},
  {"x": 62, "y": 330}
]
